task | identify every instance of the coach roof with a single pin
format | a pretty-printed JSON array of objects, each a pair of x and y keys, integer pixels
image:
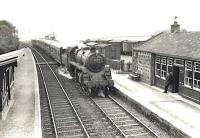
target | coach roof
[{"x": 52, "y": 42}]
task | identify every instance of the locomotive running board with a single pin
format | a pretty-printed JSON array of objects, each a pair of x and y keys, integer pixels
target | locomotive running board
[{"x": 44, "y": 63}]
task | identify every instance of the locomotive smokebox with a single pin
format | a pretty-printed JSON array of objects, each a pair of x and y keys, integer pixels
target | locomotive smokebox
[{"x": 91, "y": 59}]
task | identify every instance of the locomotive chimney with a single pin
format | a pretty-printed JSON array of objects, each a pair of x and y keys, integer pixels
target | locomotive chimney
[{"x": 92, "y": 48}]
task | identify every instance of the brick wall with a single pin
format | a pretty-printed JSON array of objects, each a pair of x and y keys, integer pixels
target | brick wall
[{"x": 145, "y": 66}]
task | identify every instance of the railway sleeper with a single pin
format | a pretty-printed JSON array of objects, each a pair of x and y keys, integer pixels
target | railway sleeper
[
  {"x": 55, "y": 92},
  {"x": 59, "y": 106},
  {"x": 77, "y": 136},
  {"x": 47, "y": 125},
  {"x": 59, "y": 101},
  {"x": 143, "y": 135},
  {"x": 126, "y": 123},
  {"x": 135, "y": 132},
  {"x": 107, "y": 107},
  {"x": 46, "y": 119},
  {"x": 65, "y": 118},
  {"x": 67, "y": 124},
  {"x": 129, "y": 127},
  {"x": 55, "y": 95},
  {"x": 62, "y": 109},
  {"x": 49, "y": 130},
  {"x": 102, "y": 100},
  {"x": 91, "y": 130},
  {"x": 123, "y": 120},
  {"x": 69, "y": 130},
  {"x": 65, "y": 114},
  {"x": 70, "y": 127},
  {"x": 121, "y": 115},
  {"x": 45, "y": 110},
  {"x": 48, "y": 135},
  {"x": 64, "y": 135},
  {"x": 114, "y": 111},
  {"x": 58, "y": 120}
]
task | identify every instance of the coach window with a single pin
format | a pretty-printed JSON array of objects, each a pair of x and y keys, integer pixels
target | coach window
[
  {"x": 163, "y": 67},
  {"x": 197, "y": 75},
  {"x": 157, "y": 66},
  {"x": 188, "y": 73}
]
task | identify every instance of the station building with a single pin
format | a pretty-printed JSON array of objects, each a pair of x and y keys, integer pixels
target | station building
[
  {"x": 132, "y": 41},
  {"x": 109, "y": 47},
  {"x": 177, "y": 51}
]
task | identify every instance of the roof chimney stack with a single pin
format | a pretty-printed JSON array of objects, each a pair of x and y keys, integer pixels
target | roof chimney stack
[{"x": 175, "y": 27}]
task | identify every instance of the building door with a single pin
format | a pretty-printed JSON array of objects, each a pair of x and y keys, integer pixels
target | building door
[{"x": 175, "y": 86}]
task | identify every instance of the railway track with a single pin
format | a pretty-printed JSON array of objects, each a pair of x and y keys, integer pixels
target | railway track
[
  {"x": 60, "y": 119},
  {"x": 126, "y": 123},
  {"x": 91, "y": 121}
]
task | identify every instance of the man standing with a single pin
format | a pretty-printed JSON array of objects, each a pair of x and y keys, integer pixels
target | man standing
[{"x": 169, "y": 81}]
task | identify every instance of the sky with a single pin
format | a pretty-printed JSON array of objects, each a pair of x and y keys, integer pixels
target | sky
[{"x": 73, "y": 20}]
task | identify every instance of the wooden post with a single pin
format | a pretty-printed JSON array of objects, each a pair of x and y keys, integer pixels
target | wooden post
[
  {"x": 1, "y": 88},
  {"x": 8, "y": 84}
]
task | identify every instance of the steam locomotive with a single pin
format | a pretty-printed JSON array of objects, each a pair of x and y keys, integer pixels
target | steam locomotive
[{"x": 86, "y": 65}]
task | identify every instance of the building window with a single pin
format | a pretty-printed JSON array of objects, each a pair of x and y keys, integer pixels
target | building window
[
  {"x": 179, "y": 61},
  {"x": 163, "y": 67},
  {"x": 188, "y": 73},
  {"x": 169, "y": 65},
  {"x": 157, "y": 66},
  {"x": 197, "y": 75}
]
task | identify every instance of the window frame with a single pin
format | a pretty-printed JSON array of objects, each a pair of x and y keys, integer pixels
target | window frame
[
  {"x": 157, "y": 62},
  {"x": 194, "y": 71},
  {"x": 163, "y": 72},
  {"x": 169, "y": 63},
  {"x": 188, "y": 68}
]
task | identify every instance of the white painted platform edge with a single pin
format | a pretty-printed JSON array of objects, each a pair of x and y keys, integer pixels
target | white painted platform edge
[{"x": 37, "y": 120}]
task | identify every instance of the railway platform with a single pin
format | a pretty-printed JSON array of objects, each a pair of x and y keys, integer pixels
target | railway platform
[
  {"x": 23, "y": 118},
  {"x": 179, "y": 115}
]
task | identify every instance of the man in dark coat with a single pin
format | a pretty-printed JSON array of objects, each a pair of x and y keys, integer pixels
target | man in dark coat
[{"x": 169, "y": 81}]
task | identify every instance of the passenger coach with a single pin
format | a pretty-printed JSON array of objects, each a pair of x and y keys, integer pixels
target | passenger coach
[{"x": 52, "y": 47}]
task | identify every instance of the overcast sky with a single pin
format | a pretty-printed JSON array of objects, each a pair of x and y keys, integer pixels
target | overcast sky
[{"x": 82, "y": 19}]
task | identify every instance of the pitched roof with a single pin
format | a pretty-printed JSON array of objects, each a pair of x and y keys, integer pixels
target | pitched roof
[
  {"x": 127, "y": 38},
  {"x": 182, "y": 45},
  {"x": 52, "y": 42}
]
